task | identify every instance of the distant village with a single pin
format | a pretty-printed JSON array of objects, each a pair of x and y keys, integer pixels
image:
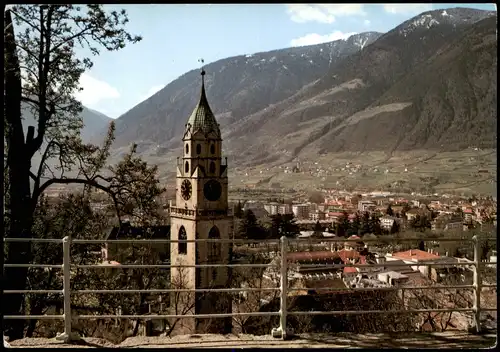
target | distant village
[{"x": 446, "y": 214}]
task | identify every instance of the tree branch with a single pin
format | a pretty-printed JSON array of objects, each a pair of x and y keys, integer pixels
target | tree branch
[
  {"x": 33, "y": 177},
  {"x": 89, "y": 182},
  {"x": 43, "y": 72},
  {"x": 67, "y": 181},
  {"x": 40, "y": 169},
  {"x": 67, "y": 40},
  {"x": 29, "y": 23}
]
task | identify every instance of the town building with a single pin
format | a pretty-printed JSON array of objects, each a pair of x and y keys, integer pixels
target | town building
[
  {"x": 420, "y": 259},
  {"x": 301, "y": 211},
  {"x": 468, "y": 215},
  {"x": 447, "y": 222},
  {"x": 285, "y": 209},
  {"x": 271, "y": 208},
  {"x": 412, "y": 214},
  {"x": 201, "y": 212},
  {"x": 366, "y": 205},
  {"x": 317, "y": 215},
  {"x": 335, "y": 216},
  {"x": 386, "y": 222}
]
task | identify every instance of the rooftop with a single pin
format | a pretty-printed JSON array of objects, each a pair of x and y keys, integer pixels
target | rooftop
[
  {"x": 348, "y": 254},
  {"x": 312, "y": 256},
  {"x": 415, "y": 255}
]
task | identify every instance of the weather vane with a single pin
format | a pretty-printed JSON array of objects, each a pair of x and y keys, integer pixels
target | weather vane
[{"x": 202, "y": 68}]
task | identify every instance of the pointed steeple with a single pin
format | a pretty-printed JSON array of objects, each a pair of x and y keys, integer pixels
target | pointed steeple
[{"x": 202, "y": 117}]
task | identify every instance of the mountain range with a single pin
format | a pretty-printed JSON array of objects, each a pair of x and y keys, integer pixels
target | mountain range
[
  {"x": 237, "y": 87},
  {"x": 430, "y": 83},
  {"x": 94, "y": 122}
]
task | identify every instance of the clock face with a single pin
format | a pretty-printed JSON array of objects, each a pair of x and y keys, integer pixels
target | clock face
[
  {"x": 186, "y": 189},
  {"x": 212, "y": 190}
]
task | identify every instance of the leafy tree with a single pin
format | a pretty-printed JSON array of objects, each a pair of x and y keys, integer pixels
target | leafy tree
[
  {"x": 339, "y": 228},
  {"x": 249, "y": 221},
  {"x": 318, "y": 230},
  {"x": 238, "y": 210},
  {"x": 486, "y": 246},
  {"x": 275, "y": 228},
  {"x": 43, "y": 54},
  {"x": 365, "y": 223},
  {"x": 73, "y": 215},
  {"x": 289, "y": 227},
  {"x": 389, "y": 210},
  {"x": 405, "y": 209},
  {"x": 395, "y": 227},
  {"x": 283, "y": 225},
  {"x": 420, "y": 223},
  {"x": 343, "y": 225},
  {"x": 316, "y": 197},
  {"x": 355, "y": 226},
  {"x": 250, "y": 227},
  {"x": 375, "y": 225}
]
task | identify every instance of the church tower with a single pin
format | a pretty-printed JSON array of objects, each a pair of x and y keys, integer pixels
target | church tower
[{"x": 201, "y": 212}]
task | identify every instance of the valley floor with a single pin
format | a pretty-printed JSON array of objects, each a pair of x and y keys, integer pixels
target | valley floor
[{"x": 468, "y": 172}]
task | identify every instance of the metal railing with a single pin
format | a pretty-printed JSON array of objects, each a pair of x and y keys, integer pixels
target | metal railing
[{"x": 283, "y": 289}]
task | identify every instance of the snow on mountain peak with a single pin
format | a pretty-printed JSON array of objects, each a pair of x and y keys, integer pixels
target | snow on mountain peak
[
  {"x": 423, "y": 21},
  {"x": 361, "y": 42}
]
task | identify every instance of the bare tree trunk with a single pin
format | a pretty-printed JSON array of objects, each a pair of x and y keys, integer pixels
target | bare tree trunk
[
  {"x": 19, "y": 203},
  {"x": 18, "y": 253}
]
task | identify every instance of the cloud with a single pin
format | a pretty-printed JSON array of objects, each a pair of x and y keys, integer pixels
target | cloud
[
  {"x": 406, "y": 8},
  {"x": 314, "y": 38},
  {"x": 322, "y": 13},
  {"x": 151, "y": 92},
  {"x": 94, "y": 91},
  {"x": 367, "y": 23}
]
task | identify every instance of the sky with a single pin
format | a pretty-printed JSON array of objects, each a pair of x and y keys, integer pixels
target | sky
[{"x": 176, "y": 36}]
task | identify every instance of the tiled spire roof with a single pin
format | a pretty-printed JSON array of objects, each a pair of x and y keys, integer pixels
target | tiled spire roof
[{"x": 202, "y": 117}]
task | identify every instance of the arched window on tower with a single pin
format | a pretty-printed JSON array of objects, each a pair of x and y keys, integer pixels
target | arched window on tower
[
  {"x": 212, "y": 148},
  {"x": 187, "y": 148},
  {"x": 214, "y": 248},
  {"x": 212, "y": 167},
  {"x": 186, "y": 166},
  {"x": 198, "y": 149},
  {"x": 182, "y": 246}
]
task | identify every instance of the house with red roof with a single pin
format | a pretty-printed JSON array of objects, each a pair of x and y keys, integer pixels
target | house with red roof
[
  {"x": 468, "y": 214},
  {"x": 417, "y": 257},
  {"x": 358, "y": 245},
  {"x": 335, "y": 215}
]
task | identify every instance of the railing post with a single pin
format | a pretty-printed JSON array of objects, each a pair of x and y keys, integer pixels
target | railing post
[
  {"x": 282, "y": 331},
  {"x": 477, "y": 283},
  {"x": 67, "y": 336}
]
